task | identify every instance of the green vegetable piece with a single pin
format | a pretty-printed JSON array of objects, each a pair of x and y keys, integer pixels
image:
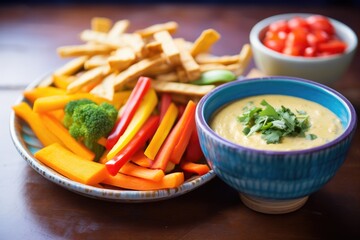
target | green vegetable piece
[
  {"x": 87, "y": 122},
  {"x": 275, "y": 124},
  {"x": 215, "y": 76}
]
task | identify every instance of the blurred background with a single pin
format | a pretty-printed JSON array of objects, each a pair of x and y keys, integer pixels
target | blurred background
[{"x": 248, "y": 2}]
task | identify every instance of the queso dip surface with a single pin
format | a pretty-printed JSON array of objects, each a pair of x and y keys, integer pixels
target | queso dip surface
[{"x": 324, "y": 123}]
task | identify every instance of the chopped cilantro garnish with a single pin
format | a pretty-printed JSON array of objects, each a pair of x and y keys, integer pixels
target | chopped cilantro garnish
[{"x": 274, "y": 124}]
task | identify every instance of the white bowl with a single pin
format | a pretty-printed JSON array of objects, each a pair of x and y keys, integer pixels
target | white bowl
[{"x": 320, "y": 69}]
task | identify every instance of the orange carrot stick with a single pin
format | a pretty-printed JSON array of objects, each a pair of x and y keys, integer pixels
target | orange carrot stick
[
  {"x": 140, "y": 159},
  {"x": 71, "y": 165},
  {"x": 24, "y": 111},
  {"x": 184, "y": 138},
  {"x": 163, "y": 156},
  {"x": 50, "y": 103},
  {"x": 134, "y": 170},
  {"x": 63, "y": 134},
  {"x": 197, "y": 168},
  {"x": 171, "y": 180},
  {"x": 39, "y": 92}
]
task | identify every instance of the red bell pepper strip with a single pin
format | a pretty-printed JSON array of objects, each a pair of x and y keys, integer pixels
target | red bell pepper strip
[
  {"x": 193, "y": 151},
  {"x": 145, "y": 133},
  {"x": 164, "y": 104},
  {"x": 139, "y": 91}
]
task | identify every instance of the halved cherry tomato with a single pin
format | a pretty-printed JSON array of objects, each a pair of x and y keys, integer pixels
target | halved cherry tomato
[
  {"x": 279, "y": 26},
  {"x": 333, "y": 47},
  {"x": 318, "y": 22},
  {"x": 297, "y": 22}
]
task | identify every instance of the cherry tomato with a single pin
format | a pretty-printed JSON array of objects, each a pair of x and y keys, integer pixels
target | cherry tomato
[
  {"x": 317, "y": 22},
  {"x": 333, "y": 46},
  {"x": 279, "y": 26},
  {"x": 297, "y": 39},
  {"x": 276, "y": 45},
  {"x": 297, "y": 22},
  {"x": 316, "y": 37},
  {"x": 313, "y": 36},
  {"x": 310, "y": 52}
]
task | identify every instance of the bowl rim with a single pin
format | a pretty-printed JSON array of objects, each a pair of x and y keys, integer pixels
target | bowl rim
[
  {"x": 264, "y": 23},
  {"x": 202, "y": 123}
]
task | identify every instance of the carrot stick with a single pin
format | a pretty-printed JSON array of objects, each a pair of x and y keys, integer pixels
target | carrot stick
[
  {"x": 192, "y": 167},
  {"x": 143, "y": 112},
  {"x": 162, "y": 131},
  {"x": 185, "y": 135},
  {"x": 171, "y": 180},
  {"x": 163, "y": 156},
  {"x": 139, "y": 140},
  {"x": 140, "y": 159},
  {"x": 71, "y": 165},
  {"x": 50, "y": 103},
  {"x": 134, "y": 170},
  {"x": 24, "y": 111},
  {"x": 63, "y": 134},
  {"x": 39, "y": 92}
]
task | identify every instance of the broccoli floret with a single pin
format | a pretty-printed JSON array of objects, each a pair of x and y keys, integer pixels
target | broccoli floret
[{"x": 87, "y": 122}]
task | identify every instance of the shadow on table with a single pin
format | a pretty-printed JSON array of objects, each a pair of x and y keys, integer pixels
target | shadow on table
[{"x": 67, "y": 214}]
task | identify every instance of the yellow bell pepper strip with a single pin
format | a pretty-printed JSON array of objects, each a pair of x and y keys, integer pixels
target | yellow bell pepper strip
[
  {"x": 163, "y": 156},
  {"x": 162, "y": 131},
  {"x": 71, "y": 165},
  {"x": 67, "y": 140},
  {"x": 50, "y": 103},
  {"x": 24, "y": 111},
  {"x": 141, "y": 88},
  {"x": 143, "y": 112},
  {"x": 141, "y": 137}
]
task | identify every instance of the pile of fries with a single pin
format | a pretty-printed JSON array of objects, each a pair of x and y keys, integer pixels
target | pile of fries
[{"x": 112, "y": 59}]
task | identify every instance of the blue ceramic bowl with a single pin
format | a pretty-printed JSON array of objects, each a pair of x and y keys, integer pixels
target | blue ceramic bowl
[{"x": 273, "y": 174}]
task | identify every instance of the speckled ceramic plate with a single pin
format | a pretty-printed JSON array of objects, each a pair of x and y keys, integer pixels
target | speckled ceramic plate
[{"x": 27, "y": 144}]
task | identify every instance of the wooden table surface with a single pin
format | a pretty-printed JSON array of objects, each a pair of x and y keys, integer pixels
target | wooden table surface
[{"x": 31, "y": 207}]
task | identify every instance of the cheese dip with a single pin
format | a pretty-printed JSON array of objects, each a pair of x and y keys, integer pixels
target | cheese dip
[{"x": 324, "y": 124}]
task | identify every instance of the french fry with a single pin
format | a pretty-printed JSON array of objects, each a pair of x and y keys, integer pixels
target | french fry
[
  {"x": 72, "y": 66},
  {"x": 205, "y": 58},
  {"x": 136, "y": 70},
  {"x": 93, "y": 75},
  {"x": 152, "y": 49},
  {"x": 167, "y": 77},
  {"x": 169, "y": 47},
  {"x": 86, "y": 49},
  {"x": 119, "y": 28},
  {"x": 205, "y": 41},
  {"x": 182, "y": 88},
  {"x": 189, "y": 64},
  {"x": 105, "y": 89},
  {"x": 101, "y": 38},
  {"x": 245, "y": 55},
  {"x": 101, "y": 24},
  {"x": 171, "y": 27},
  {"x": 96, "y": 61},
  {"x": 122, "y": 59}
]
